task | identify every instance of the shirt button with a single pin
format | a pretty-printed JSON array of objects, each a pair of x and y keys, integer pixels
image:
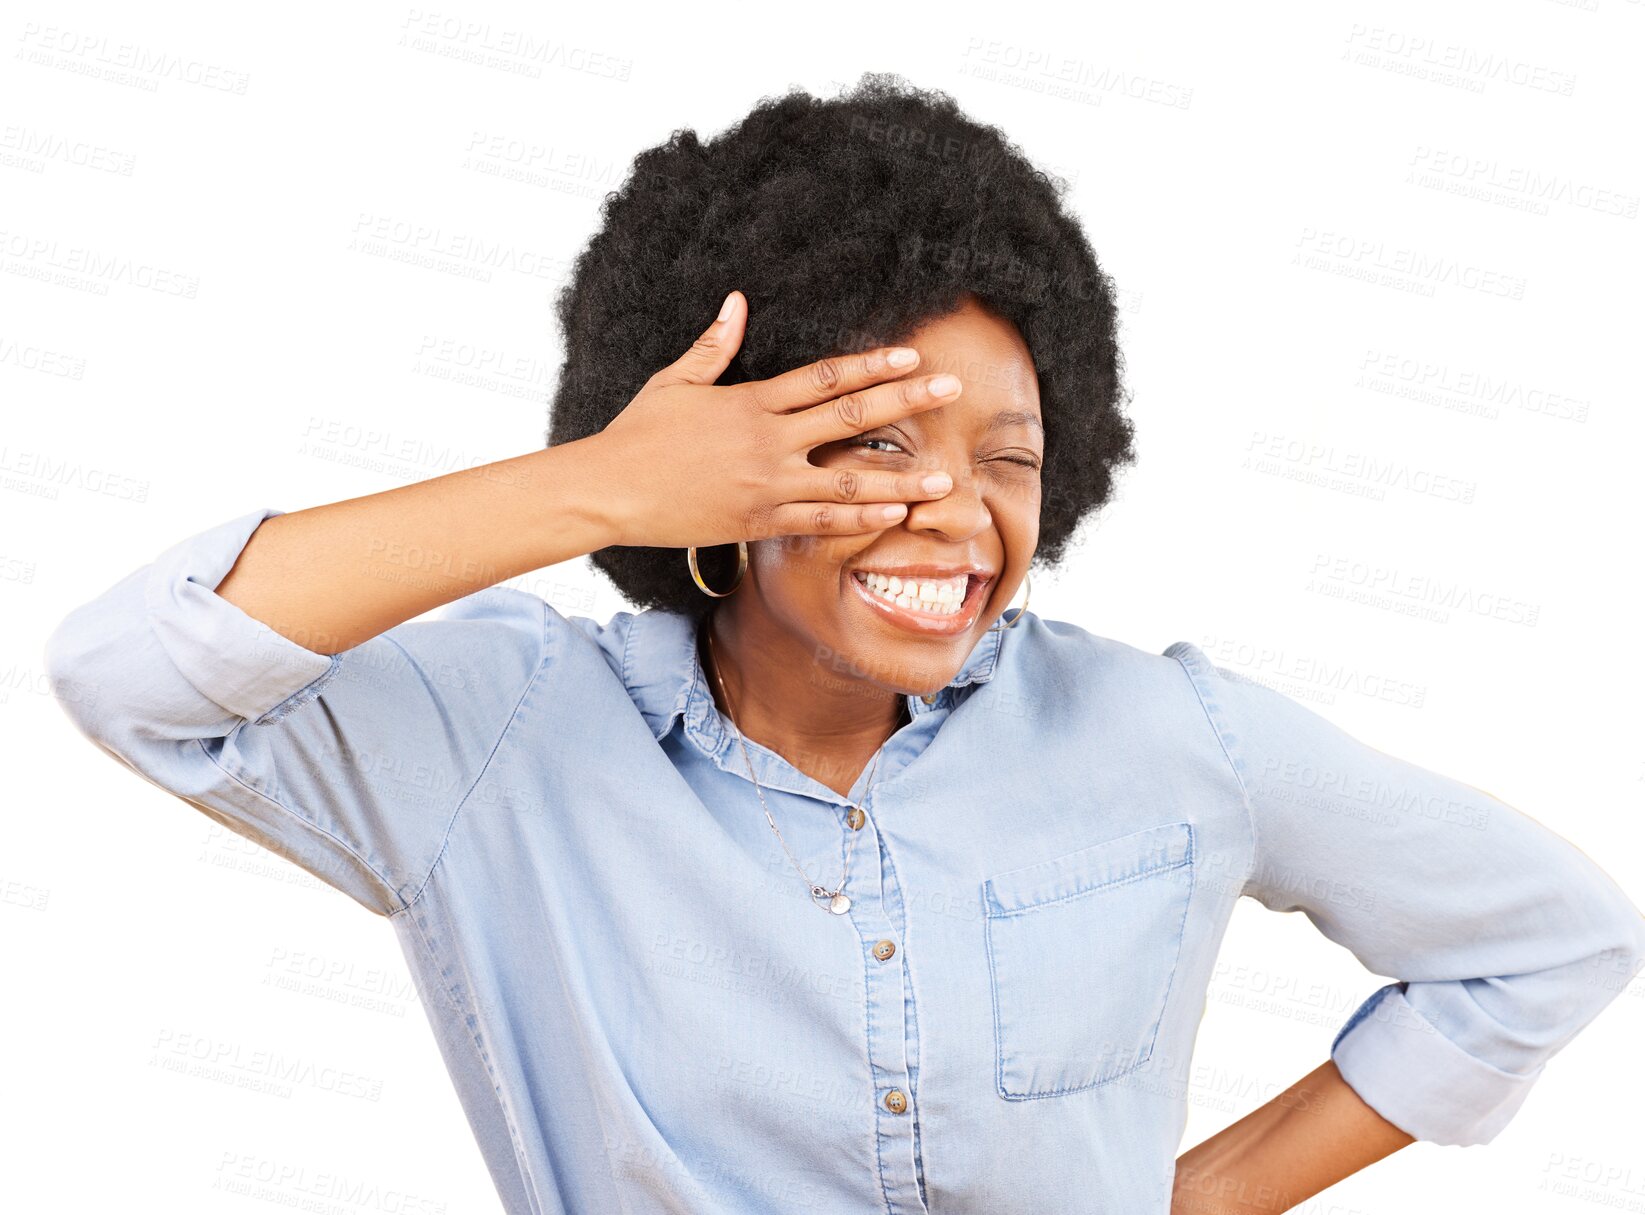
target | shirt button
[
  {"x": 895, "y": 1101},
  {"x": 931, "y": 699},
  {"x": 855, "y": 818},
  {"x": 884, "y": 949}
]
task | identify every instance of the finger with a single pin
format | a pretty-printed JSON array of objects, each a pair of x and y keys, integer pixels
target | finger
[
  {"x": 828, "y": 378},
  {"x": 834, "y": 518},
  {"x": 869, "y": 485},
  {"x": 711, "y": 353},
  {"x": 856, "y": 412}
]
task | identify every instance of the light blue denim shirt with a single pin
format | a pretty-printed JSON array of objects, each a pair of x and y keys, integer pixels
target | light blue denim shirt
[{"x": 643, "y": 1010}]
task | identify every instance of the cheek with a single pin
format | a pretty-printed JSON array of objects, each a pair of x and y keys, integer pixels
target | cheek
[
  {"x": 1016, "y": 512},
  {"x": 797, "y": 569}
]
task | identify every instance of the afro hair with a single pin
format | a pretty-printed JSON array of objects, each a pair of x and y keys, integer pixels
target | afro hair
[{"x": 847, "y": 223}]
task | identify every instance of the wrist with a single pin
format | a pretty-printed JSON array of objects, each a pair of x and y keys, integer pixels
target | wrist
[{"x": 590, "y": 494}]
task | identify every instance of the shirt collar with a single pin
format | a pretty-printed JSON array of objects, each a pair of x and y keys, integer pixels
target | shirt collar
[{"x": 664, "y": 675}]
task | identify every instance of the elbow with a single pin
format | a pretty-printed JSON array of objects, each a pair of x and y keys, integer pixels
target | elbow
[
  {"x": 1629, "y": 954},
  {"x": 89, "y": 660},
  {"x": 1619, "y": 952},
  {"x": 69, "y": 662}
]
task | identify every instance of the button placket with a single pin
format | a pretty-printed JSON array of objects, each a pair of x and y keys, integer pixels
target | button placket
[{"x": 889, "y": 1028}]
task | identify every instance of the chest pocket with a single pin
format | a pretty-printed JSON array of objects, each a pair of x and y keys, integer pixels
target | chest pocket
[{"x": 1082, "y": 949}]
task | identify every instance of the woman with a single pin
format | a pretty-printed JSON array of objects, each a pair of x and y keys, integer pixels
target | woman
[{"x": 833, "y": 879}]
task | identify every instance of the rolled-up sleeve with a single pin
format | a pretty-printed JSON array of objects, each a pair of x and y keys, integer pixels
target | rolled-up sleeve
[
  {"x": 350, "y": 765},
  {"x": 1504, "y": 939}
]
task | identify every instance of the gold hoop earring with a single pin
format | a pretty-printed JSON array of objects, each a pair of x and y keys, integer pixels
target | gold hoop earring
[
  {"x": 697, "y": 577},
  {"x": 1028, "y": 582}
]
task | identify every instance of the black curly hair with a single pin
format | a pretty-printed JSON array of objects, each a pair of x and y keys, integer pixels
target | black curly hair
[{"x": 846, "y": 223}]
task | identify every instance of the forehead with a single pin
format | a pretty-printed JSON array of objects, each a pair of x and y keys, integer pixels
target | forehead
[{"x": 989, "y": 355}]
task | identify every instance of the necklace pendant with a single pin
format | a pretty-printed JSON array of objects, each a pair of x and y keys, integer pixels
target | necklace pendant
[{"x": 839, "y": 904}]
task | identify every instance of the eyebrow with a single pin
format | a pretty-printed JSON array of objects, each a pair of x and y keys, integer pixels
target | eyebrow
[{"x": 1014, "y": 417}]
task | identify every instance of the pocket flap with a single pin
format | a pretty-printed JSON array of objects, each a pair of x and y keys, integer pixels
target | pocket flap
[{"x": 1088, "y": 869}]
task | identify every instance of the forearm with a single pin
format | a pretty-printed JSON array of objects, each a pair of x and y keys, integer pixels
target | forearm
[
  {"x": 331, "y": 577},
  {"x": 1309, "y": 1137}
]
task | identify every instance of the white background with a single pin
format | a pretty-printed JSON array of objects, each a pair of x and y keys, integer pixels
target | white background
[{"x": 1380, "y": 268}]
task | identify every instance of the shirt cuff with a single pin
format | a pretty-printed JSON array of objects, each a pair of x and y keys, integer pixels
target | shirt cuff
[
  {"x": 1421, "y": 1081},
  {"x": 240, "y": 663}
]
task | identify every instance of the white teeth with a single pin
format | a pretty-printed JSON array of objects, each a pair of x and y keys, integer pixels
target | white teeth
[{"x": 943, "y": 596}]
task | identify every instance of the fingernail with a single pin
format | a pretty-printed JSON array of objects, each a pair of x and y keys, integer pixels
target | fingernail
[
  {"x": 895, "y": 511},
  {"x": 902, "y": 356},
  {"x": 937, "y": 483},
  {"x": 945, "y": 385},
  {"x": 725, "y": 308}
]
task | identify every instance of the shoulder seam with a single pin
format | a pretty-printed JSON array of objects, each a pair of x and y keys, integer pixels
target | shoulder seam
[
  {"x": 531, "y": 682},
  {"x": 1205, "y": 705},
  {"x": 313, "y": 826}
]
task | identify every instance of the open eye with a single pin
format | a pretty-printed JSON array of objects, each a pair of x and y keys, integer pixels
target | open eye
[{"x": 865, "y": 440}]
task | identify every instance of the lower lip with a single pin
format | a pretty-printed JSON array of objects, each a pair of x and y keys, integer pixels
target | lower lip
[{"x": 930, "y": 624}]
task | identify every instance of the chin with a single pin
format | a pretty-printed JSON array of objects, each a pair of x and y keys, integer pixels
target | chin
[{"x": 908, "y": 648}]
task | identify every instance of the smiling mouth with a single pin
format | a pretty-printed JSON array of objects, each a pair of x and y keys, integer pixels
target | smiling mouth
[
  {"x": 939, "y": 596},
  {"x": 924, "y": 603}
]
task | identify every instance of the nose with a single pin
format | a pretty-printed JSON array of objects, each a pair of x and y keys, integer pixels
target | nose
[{"x": 958, "y": 515}]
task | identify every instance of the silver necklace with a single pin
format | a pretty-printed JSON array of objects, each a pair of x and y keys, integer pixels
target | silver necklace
[{"x": 837, "y": 901}]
